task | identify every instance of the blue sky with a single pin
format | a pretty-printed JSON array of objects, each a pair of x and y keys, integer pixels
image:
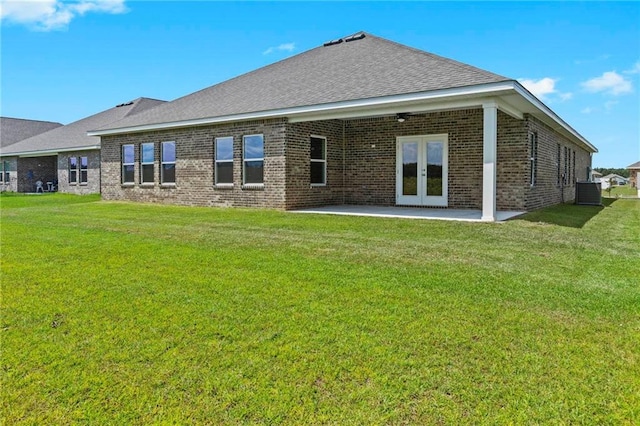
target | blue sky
[{"x": 63, "y": 61}]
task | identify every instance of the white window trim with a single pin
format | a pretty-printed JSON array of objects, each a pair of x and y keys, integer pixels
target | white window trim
[
  {"x": 244, "y": 162},
  {"x": 533, "y": 160},
  {"x": 162, "y": 163},
  {"x": 216, "y": 161},
  {"x": 80, "y": 169},
  {"x": 76, "y": 169},
  {"x": 122, "y": 181},
  {"x": 4, "y": 169},
  {"x": 324, "y": 160},
  {"x": 146, "y": 163}
]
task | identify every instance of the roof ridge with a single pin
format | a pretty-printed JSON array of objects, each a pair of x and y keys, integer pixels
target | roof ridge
[{"x": 435, "y": 56}]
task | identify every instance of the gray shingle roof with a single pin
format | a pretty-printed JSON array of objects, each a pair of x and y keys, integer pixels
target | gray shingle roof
[
  {"x": 364, "y": 68},
  {"x": 74, "y": 135},
  {"x": 13, "y": 130},
  {"x": 635, "y": 165}
]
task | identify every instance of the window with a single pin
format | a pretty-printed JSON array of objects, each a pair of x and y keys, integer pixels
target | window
[
  {"x": 128, "y": 165},
  {"x": 558, "y": 162},
  {"x": 318, "y": 156},
  {"x": 253, "y": 160},
  {"x": 573, "y": 167},
  {"x": 146, "y": 163},
  {"x": 168, "y": 170},
  {"x": 533, "y": 138},
  {"x": 224, "y": 161},
  {"x": 566, "y": 166},
  {"x": 4, "y": 172},
  {"x": 84, "y": 164},
  {"x": 73, "y": 170}
]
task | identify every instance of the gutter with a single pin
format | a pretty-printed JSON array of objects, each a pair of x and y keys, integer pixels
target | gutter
[
  {"x": 379, "y": 105},
  {"x": 533, "y": 100},
  {"x": 38, "y": 153},
  {"x": 482, "y": 89}
]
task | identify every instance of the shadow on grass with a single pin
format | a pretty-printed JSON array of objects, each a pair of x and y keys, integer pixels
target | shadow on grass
[{"x": 569, "y": 215}]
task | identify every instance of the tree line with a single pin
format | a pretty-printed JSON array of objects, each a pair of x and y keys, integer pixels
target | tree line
[{"x": 607, "y": 171}]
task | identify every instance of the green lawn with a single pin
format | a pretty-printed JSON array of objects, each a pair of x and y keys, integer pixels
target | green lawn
[
  {"x": 620, "y": 191},
  {"x": 118, "y": 313}
]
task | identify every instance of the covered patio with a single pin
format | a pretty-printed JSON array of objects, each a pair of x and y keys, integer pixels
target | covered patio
[{"x": 462, "y": 215}]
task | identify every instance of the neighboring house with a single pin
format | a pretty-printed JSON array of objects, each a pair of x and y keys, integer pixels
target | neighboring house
[
  {"x": 65, "y": 158},
  {"x": 634, "y": 175},
  {"x": 358, "y": 120},
  {"x": 596, "y": 176},
  {"x": 14, "y": 130},
  {"x": 613, "y": 178}
]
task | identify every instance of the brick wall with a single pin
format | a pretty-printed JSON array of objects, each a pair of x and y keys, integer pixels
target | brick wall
[
  {"x": 195, "y": 166},
  {"x": 512, "y": 163},
  {"x": 546, "y": 190},
  {"x": 371, "y": 172},
  {"x": 361, "y": 163},
  {"x": 93, "y": 173},
  {"x": 41, "y": 168},
  {"x": 299, "y": 192}
]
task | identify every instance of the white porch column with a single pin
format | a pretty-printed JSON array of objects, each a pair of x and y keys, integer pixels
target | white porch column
[{"x": 489, "y": 157}]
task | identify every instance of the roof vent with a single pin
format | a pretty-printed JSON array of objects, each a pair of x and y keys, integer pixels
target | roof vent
[
  {"x": 332, "y": 42},
  {"x": 356, "y": 36}
]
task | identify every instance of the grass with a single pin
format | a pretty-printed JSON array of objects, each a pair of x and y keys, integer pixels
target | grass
[
  {"x": 117, "y": 313},
  {"x": 620, "y": 191}
]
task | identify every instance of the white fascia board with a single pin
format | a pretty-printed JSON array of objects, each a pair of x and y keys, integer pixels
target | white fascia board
[
  {"x": 48, "y": 152},
  {"x": 492, "y": 89},
  {"x": 547, "y": 111}
]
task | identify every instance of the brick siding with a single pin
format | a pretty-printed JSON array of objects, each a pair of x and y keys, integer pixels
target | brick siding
[
  {"x": 361, "y": 162},
  {"x": 93, "y": 173},
  {"x": 195, "y": 167},
  {"x": 546, "y": 190},
  {"x": 299, "y": 192},
  {"x": 41, "y": 168}
]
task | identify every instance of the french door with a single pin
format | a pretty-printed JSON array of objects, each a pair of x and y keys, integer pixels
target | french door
[{"x": 421, "y": 170}]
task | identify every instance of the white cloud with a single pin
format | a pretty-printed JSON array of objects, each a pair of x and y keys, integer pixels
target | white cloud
[
  {"x": 610, "y": 83},
  {"x": 587, "y": 110},
  {"x": 48, "y": 15},
  {"x": 288, "y": 47},
  {"x": 635, "y": 69},
  {"x": 544, "y": 87},
  {"x": 540, "y": 88}
]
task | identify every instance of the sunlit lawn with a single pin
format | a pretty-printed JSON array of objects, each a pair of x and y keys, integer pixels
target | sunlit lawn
[
  {"x": 620, "y": 191},
  {"x": 118, "y": 313}
]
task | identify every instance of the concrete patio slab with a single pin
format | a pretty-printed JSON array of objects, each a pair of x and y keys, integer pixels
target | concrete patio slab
[{"x": 409, "y": 213}]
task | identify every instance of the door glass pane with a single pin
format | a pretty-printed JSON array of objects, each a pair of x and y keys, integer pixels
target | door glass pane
[
  {"x": 410, "y": 168},
  {"x": 434, "y": 168}
]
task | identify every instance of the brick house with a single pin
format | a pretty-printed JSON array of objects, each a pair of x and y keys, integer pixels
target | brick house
[
  {"x": 359, "y": 120},
  {"x": 14, "y": 130},
  {"x": 65, "y": 158},
  {"x": 634, "y": 175}
]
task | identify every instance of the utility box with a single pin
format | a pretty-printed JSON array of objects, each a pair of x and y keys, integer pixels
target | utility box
[{"x": 588, "y": 194}]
